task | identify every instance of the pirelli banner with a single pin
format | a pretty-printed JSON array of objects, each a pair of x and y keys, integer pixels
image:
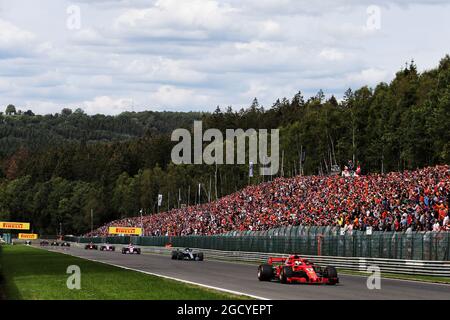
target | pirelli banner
[
  {"x": 15, "y": 225},
  {"x": 28, "y": 236},
  {"x": 125, "y": 230}
]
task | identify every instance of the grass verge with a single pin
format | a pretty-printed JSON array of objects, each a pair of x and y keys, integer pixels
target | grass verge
[{"x": 34, "y": 274}]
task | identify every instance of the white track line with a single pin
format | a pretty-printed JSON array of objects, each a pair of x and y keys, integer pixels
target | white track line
[
  {"x": 166, "y": 277},
  {"x": 252, "y": 296}
]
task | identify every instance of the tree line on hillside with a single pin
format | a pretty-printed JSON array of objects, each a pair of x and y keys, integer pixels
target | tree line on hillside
[
  {"x": 36, "y": 132},
  {"x": 396, "y": 126}
]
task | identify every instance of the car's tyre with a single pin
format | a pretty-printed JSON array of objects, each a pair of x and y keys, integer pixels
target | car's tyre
[
  {"x": 174, "y": 255},
  {"x": 318, "y": 270},
  {"x": 180, "y": 256},
  {"x": 331, "y": 274},
  {"x": 286, "y": 272},
  {"x": 200, "y": 256},
  {"x": 265, "y": 272},
  {"x": 138, "y": 251},
  {"x": 283, "y": 278},
  {"x": 113, "y": 248}
]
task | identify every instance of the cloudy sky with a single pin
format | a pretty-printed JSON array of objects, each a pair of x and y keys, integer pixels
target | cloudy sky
[{"x": 108, "y": 56}]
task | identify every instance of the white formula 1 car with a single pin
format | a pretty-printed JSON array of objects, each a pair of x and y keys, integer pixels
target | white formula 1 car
[
  {"x": 130, "y": 249},
  {"x": 107, "y": 247}
]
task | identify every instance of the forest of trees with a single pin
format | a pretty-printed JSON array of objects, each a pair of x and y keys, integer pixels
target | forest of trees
[
  {"x": 55, "y": 169},
  {"x": 35, "y": 132}
]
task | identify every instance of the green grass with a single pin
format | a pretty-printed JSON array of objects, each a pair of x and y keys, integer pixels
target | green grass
[
  {"x": 432, "y": 279},
  {"x": 35, "y": 274}
]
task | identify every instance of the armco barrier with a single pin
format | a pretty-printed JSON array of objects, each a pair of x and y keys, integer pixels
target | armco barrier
[
  {"x": 434, "y": 246},
  {"x": 410, "y": 267}
]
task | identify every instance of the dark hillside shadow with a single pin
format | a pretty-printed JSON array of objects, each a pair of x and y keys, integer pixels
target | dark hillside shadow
[{"x": 8, "y": 289}]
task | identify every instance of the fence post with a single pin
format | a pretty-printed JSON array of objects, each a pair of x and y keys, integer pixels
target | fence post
[
  {"x": 344, "y": 251},
  {"x": 423, "y": 252},
  {"x": 447, "y": 247}
]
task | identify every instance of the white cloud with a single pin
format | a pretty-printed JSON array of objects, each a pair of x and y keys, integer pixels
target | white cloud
[
  {"x": 256, "y": 89},
  {"x": 173, "y": 97},
  {"x": 87, "y": 36},
  {"x": 369, "y": 76},
  {"x": 331, "y": 54},
  {"x": 39, "y": 106},
  {"x": 6, "y": 86},
  {"x": 107, "y": 105},
  {"x": 196, "y": 54},
  {"x": 178, "y": 19},
  {"x": 270, "y": 28},
  {"x": 161, "y": 69},
  {"x": 13, "y": 40},
  {"x": 100, "y": 81}
]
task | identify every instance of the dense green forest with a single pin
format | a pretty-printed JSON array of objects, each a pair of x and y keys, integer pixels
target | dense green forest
[
  {"x": 55, "y": 169},
  {"x": 20, "y": 129}
]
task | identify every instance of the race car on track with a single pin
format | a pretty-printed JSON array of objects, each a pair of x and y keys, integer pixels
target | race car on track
[
  {"x": 295, "y": 269},
  {"x": 187, "y": 254},
  {"x": 28, "y": 243},
  {"x": 55, "y": 244},
  {"x": 107, "y": 247},
  {"x": 65, "y": 244},
  {"x": 130, "y": 249},
  {"x": 44, "y": 243},
  {"x": 91, "y": 246}
]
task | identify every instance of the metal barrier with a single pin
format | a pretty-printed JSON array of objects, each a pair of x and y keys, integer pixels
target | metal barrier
[
  {"x": 409, "y": 267},
  {"x": 309, "y": 241},
  {"x": 412, "y": 267}
]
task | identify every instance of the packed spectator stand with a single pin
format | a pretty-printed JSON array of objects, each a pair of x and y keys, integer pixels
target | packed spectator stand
[{"x": 398, "y": 201}]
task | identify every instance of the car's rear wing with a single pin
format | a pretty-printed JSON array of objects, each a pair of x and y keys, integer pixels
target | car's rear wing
[{"x": 273, "y": 260}]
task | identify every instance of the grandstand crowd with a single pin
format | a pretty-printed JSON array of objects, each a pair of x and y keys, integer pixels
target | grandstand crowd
[{"x": 399, "y": 201}]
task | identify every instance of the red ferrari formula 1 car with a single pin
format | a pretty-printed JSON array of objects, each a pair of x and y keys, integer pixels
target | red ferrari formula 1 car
[{"x": 295, "y": 269}]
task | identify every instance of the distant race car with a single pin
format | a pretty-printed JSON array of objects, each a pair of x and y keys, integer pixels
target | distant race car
[
  {"x": 107, "y": 247},
  {"x": 55, "y": 244},
  {"x": 65, "y": 244},
  {"x": 187, "y": 254},
  {"x": 44, "y": 243},
  {"x": 295, "y": 269},
  {"x": 28, "y": 243},
  {"x": 130, "y": 249},
  {"x": 91, "y": 246}
]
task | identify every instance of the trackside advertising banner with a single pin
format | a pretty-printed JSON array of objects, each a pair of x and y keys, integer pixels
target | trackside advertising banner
[
  {"x": 125, "y": 230},
  {"x": 15, "y": 225},
  {"x": 28, "y": 236}
]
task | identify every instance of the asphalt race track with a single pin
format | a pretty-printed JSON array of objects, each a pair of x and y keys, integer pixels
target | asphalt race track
[{"x": 242, "y": 278}]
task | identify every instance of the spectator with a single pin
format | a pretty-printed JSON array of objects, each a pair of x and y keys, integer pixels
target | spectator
[
  {"x": 436, "y": 226},
  {"x": 411, "y": 200}
]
